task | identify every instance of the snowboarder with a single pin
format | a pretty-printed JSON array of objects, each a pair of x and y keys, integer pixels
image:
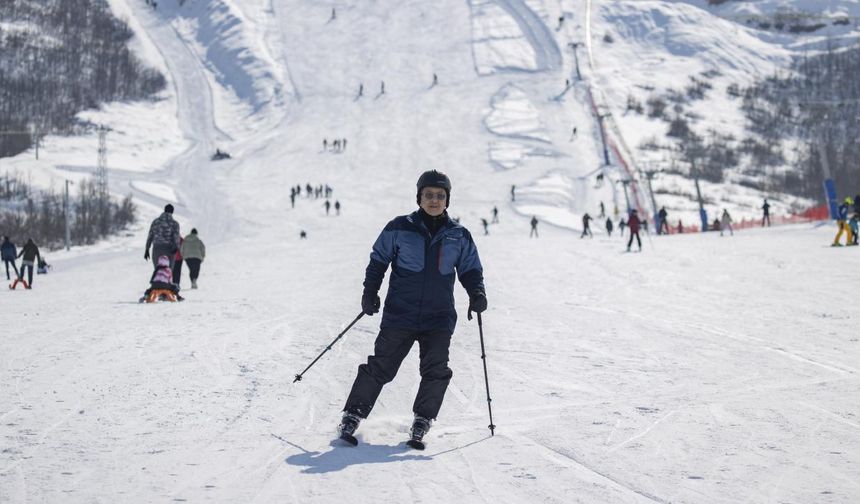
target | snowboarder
[
  {"x": 495, "y": 215},
  {"x": 485, "y": 224},
  {"x": 29, "y": 254},
  {"x": 194, "y": 252},
  {"x": 534, "y": 227},
  {"x": 633, "y": 224},
  {"x": 9, "y": 254},
  {"x": 586, "y": 226},
  {"x": 765, "y": 213},
  {"x": 726, "y": 223},
  {"x": 426, "y": 250},
  {"x": 163, "y": 236},
  {"x": 609, "y": 226},
  {"x": 337, "y": 207},
  {"x": 841, "y": 223},
  {"x": 663, "y": 224}
]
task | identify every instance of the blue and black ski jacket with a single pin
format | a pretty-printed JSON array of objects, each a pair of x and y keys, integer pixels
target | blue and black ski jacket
[{"x": 421, "y": 287}]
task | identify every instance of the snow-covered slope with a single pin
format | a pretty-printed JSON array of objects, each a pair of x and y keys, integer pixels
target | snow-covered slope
[{"x": 705, "y": 369}]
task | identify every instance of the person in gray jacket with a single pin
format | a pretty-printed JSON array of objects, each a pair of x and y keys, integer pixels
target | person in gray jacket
[
  {"x": 163, "y": 237},
  {"x": 194, "y": 252}
]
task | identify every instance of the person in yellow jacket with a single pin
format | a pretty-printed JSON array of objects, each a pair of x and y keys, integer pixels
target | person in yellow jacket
[
  {"x": 842, "y": 223},
  {"x": 193, "y": 251}
]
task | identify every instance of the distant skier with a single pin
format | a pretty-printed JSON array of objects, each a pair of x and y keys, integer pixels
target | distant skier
[
  {"x": 382, "y": 87},
  {"x": 573, "y": 134},
  {"x": 841, "y": 223},
  {"x": 426, "y": 251},
  {"x": 435, "y": 80},
  {"x": 194, "y": 252},
  {"x": 633, "y": 223},
  {"x": 327, "y": 205},
  {"x": 765, "y": 213},
  {"x": 360, "y": 90},
  {"x": 325, "y": 144},
  {"x": 534, "y": 223},
  {"x": 29, "y": 254},
  {"x": 485, "y": 224},
  {"x": 621, "y": 225},
  {"x": 309, "y": 189},
  {"x": 726, "y": 223},
  {"x": 163, "y": 237},
  {"x": 609, "y": 226},
  {"x": 602, "y": 210},
  {"x": 9, "y": 253},
  {"x": 664, "y": 223},
  {"x": 333, "y": 15},
  {"x": 513, "y": 193},
  {"x": 586, "y": 226},
  {"x": 495, "y": 215},
  {"x": 292, "y": 199},
  {"x": 343, "y": 144},
  {"x": 337, "y": 207},
  {"x": 303, "y": 234}
]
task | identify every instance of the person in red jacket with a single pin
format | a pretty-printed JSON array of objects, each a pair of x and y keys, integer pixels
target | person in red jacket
[{"x": 633, "y": 223}]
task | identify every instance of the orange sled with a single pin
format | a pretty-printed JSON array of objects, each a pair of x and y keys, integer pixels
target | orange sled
[{"x": 161, "y": 295}]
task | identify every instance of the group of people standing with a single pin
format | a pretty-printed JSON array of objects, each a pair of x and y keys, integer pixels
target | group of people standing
[
  {"x": 169, "y": 249},
  {"x": 29, "y": 256}
]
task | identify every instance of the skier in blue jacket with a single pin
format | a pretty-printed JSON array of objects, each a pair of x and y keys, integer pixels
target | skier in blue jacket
[{"x": 425, "y": 250}]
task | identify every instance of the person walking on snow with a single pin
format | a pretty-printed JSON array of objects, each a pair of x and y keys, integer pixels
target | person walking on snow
[
  {"x": 194, "y": 252},
  {"x": 586, "y": 226},
  {"x": 609, "y": 226},
  {"x": 9, "y": 254},
  {"x": 327, "y": 205},
  {"x": 337, "y": 207},
  {"x": 842, "y": 223},
  {"x": 495, "y": 215},
  {"x": 485, "y": 224},
  {"x": 765, "y": 213},
  {"x": 633, "y": 224},
  {"x": 163, "y": 237},
  {"x": 534, "y": 227},
  {"x": 726, "y": 223},
  {"x": 29, "y": 254},
  {"x": 621, "y": 225},
  {"x": 425, "y": 250},
  {"x": 664, "y": 223}
]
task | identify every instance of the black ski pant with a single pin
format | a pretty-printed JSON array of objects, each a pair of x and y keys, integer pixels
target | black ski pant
[
  {"x": 391, "y": 347},
  {"x": 24, "y": 266},
  {"x": 14, "y": 267},
  {"x": 638, "y": 240},
  {"x": 193, "y": 268},
  {"x": 177, "y": 272}
]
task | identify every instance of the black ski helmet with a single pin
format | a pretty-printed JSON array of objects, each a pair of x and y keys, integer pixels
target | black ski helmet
[{"x": 433, "y": 178}]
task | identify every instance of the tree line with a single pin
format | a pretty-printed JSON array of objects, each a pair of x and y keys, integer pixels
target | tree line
[
  {"x": 58, "y": 58},
  {"x": 25, "y": 213}
]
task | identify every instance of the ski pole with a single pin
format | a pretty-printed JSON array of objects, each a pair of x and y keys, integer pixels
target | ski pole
[
  {"x": 299, "y": 376},
  {"x": 486, "y": 380}
]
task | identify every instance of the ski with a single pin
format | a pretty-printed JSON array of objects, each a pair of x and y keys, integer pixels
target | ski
[{"x": 416, "y": 444}]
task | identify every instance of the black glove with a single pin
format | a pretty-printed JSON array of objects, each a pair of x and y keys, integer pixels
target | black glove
[
  {"x": 478, "y": 302},
  {"x": 146, "y": 255},
  {"x": 370, "y": 303}
]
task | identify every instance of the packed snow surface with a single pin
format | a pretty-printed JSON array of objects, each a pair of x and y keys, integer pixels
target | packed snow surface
[{"x": 701, "y": 369}]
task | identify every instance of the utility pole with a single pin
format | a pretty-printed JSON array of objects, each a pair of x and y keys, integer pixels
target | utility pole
[
  {"x": 649, "y": 174},
  {"x": 66, "y": 211},
  {"x": 603, "y": 139},
  {"x": 101, "y": 173},
  {"x": 574, "y": 46},
  {"x": 625, "y": 183}
]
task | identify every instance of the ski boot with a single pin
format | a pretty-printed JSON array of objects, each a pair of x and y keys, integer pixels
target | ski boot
[
  {"x": 348, "y": 425},
  {"x": 420, "y": 426}
]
